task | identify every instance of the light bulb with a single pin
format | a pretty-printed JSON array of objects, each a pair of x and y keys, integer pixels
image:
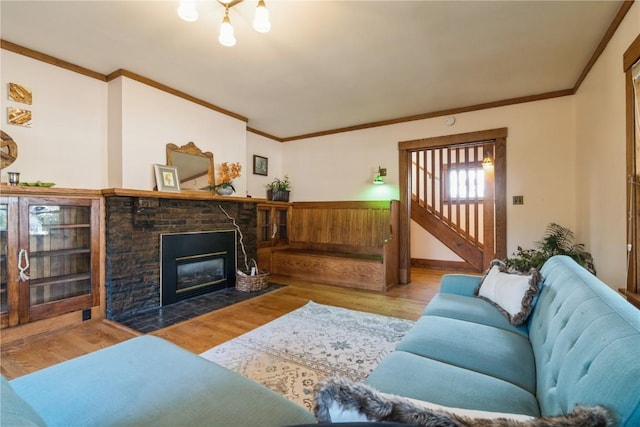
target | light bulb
[
  {"x": 261, "y": 21},
  {"x": 187, "y": 10},
  {"x": 226, "y": 37}
]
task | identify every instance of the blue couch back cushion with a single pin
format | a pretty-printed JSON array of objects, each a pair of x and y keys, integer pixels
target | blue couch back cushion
[{"x": 586, "y": 341}]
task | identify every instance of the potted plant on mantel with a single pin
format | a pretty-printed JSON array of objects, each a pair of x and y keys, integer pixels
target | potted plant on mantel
[
  {"x": 228, "y": 172},
  {"x": 279, "y": 189}
]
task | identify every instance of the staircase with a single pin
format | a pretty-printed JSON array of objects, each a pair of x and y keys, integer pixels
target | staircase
[{"x": 452, "y": 195}]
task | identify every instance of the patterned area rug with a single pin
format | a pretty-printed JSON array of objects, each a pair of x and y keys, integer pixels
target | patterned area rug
[{"x": 292, "y": 353}]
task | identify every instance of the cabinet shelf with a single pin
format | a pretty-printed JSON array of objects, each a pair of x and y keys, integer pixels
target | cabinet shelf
[
  {"x": 60, "y": 252},
  {"x": 54, "y": 280}
]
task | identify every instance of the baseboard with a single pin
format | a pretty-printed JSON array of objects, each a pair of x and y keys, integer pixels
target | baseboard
[{"x": 443, "y": 265}]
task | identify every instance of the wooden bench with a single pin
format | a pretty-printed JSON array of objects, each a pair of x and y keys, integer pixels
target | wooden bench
[{"x": 351, "y": 244}]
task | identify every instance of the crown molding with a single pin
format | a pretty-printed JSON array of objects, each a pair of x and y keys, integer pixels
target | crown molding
[{"x": 25, "y": 51}]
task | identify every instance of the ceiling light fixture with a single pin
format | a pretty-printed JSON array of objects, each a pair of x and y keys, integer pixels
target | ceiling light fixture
[
  {"x": 187, "y": 10},
  {"x": 261, "y": 23},
  {"x": 226, "y": 38}
]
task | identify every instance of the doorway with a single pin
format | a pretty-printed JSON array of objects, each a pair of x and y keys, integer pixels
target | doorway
[{"x": 455, "y": 187}]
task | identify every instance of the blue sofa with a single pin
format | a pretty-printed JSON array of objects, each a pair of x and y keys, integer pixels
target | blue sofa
[
  {"x": 145, "y": 381},
  {"x": 580, "y": 345}
]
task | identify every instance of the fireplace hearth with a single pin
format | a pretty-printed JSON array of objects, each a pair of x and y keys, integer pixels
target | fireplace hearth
[{"x": 196, "y": 263}]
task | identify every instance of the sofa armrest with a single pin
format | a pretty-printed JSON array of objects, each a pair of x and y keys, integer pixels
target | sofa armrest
[{"x": 459, "y": 284}]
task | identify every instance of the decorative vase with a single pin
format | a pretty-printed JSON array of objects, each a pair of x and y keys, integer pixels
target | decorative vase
[{"x": 224, "y": 191}]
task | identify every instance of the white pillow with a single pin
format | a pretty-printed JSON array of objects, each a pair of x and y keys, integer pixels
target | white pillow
[{"x": 511, "y": 292}]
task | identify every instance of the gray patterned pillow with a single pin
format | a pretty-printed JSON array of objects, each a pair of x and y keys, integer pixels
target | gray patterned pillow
[{"x": 512, "y": 293}]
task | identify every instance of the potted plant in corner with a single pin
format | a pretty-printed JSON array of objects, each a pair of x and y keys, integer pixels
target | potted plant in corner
[
  {"x": 279, "y": 189},
  {"x": 558, "y": 240}
]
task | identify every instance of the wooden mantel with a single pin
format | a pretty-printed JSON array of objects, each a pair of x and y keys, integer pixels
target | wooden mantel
[
  {"x": 22, "y": 190},
  {"x": 181, "y": 195}
]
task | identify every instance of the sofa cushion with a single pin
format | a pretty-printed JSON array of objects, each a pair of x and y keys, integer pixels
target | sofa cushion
[
  {"x": 147, "y": 381},
  {"x": 471, "y": 309},
  {"x": 512, "y": 293},
  {"x": 421, "y": 378},
  {"x": 15, "y": 411},
  {"x": 480, "y": 348},
  {"x": 586, "y": 340}
]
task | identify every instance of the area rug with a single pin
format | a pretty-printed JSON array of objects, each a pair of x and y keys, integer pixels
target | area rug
[{"x": 294, "y": 352}]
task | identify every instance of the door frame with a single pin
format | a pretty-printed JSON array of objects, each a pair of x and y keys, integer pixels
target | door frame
[{"x": 499, "y": 137}]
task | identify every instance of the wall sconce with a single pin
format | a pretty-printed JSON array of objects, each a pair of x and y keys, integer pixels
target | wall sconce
[
  {"x": 381, "y": 172},
  {"x": 487, "y": 161}
]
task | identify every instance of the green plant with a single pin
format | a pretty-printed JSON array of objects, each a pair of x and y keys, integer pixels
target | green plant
[
  {"x": 280, "y": 184},
  {"x": 558, "y": 240}
]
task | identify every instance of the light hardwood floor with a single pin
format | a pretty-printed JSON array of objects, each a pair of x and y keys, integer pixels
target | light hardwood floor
[{"x": 23, "y": 356}]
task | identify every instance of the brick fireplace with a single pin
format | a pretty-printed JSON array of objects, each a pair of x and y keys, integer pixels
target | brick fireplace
[{"x": 134, "y": 226}]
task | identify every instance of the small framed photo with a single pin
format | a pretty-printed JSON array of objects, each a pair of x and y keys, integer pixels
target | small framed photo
[
  {"x": 167, "y": 178},
  {"x": 260, "y": 165}
]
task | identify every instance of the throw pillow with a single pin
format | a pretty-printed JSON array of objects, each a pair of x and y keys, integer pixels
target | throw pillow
[
  {"x": 512, "y": 293},
  {"x": 342, "y": 400}
]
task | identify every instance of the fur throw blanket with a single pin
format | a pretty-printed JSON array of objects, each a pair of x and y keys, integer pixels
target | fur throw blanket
[{"x": 363, "y": 402}]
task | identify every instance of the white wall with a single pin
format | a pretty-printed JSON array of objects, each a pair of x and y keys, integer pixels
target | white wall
[
  {"x": 68, "y": 138},
  {"x": 601, "y": 157},
  {"x": 264, "y": 147},
  {"x": 540, "y": 165},
  {"x": 152, "y": 118}
]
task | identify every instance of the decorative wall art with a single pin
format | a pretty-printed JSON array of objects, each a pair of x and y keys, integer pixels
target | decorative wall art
[
  {"x": 19, "y": 93},
  {"x": 8, "y": 150},
  {"x": 167, "y": 178},
  {"x": 19, "y": 116},
  {"x": 260, "y": 165}
]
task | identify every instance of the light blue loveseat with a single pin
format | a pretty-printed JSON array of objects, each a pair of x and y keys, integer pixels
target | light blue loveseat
[
  {"x": 145, "y": 381},
  {"x": 581, "y": 345}
]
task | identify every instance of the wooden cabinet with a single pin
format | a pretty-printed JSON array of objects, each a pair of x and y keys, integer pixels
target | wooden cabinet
[
  {"x": 49, "y": 257},
  {"x": 273, "y": 231}
]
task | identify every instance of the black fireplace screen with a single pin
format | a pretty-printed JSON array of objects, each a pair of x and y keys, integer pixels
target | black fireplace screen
[
  {"x": 194, "y": 272},
  {"x": 196, "y": 263}
]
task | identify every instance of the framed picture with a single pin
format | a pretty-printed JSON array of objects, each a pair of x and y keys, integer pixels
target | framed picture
[
  {"x": 167, "y": 178},
  {"x": 260, "y": 165}
]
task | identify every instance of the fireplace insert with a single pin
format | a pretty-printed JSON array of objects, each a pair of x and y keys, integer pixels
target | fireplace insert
[{"x": 196, "y": 263}]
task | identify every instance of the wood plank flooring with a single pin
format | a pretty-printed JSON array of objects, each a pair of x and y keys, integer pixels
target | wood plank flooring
[{"x": 22, "y": 356}]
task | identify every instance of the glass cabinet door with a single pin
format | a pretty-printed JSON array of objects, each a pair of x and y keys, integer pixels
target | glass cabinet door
[
  {"x": 59, "y": 252},
  {"x": 264, "y": 226},
  {"x": 9, "y": 291},
  {"x": 4, "y": 279},
  {"x": 63, "y": 267},
  {"x": 282, "y": 224}
]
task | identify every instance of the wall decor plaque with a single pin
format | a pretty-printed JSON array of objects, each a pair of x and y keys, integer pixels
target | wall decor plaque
[
  {"x": 19, "y": 116},
  {"x": 19, "y": 93}
]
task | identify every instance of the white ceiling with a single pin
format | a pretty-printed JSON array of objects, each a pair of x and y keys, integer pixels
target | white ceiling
[{"x": 327, "y": 64}]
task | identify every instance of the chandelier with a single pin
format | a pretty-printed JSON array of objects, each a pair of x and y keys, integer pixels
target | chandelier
[{"x": 187, "y": 11}]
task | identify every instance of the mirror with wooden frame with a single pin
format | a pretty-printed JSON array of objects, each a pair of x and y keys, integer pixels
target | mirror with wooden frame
[
  {"x": 195, "y": 168},
  {"x": 8, "y": 150}
]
